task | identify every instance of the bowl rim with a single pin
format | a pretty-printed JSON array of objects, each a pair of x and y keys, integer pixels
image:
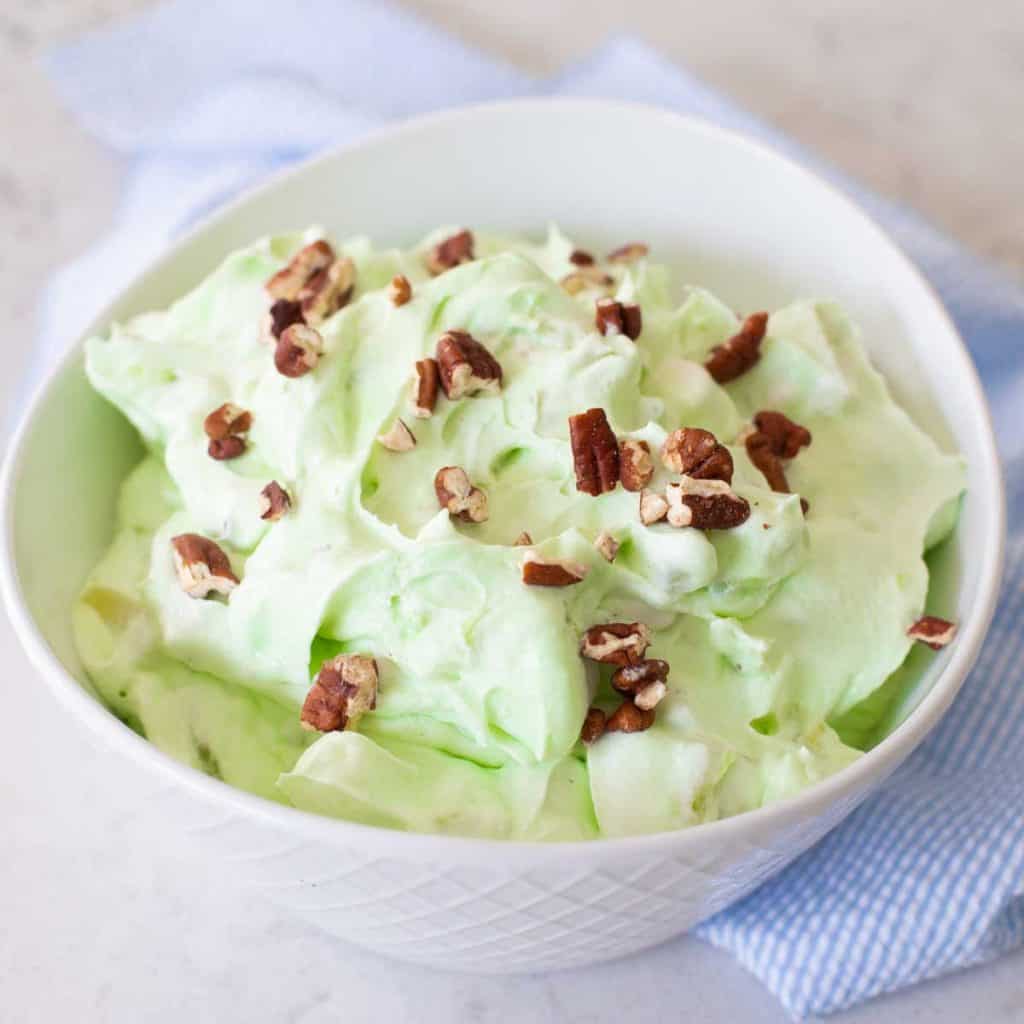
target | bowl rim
[{"x": 854, "y": 779}]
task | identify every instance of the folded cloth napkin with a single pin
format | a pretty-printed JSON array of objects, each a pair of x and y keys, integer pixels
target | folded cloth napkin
[{"x": 928, "y": 875}]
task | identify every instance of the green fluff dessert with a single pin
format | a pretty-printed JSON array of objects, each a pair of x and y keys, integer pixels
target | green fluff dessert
[{"x": 501, "y": 539}]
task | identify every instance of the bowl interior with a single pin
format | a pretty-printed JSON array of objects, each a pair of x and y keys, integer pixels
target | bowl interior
[{"x": 726, "y": 214}]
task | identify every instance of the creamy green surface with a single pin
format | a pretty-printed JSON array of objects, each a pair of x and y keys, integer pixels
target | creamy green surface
[{"x": 775, "y": 631}]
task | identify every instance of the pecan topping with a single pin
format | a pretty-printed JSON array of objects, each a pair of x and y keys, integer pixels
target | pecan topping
[
  {"x": 225, "y": 420},
  {"x": 524, "y": 540},
  {"x": 616, "y": 643},
  {"x": 775, "y": 437},
  {"x": 224, "y": 448},
  {"x": 427, "y": 383},
  {"x": 466, "y": 366},
  {"x": 651, "y": 696},
  {"x": 607, "y": 546},
  {"x": 593, "y": 726},
  {"x": 934, "y": 632},
  {"x": 400, "y": 290},
  {"x": 759, "y": 451},
  {"x": 399, "y": 438},
  {"x": 645, "y": 681},
  {"x": 627, "y": 717},
  {"x": 705, "y": 505},
  {"x": 345, "y": 688},
  {"x": 450, "y": 253},
  {"x": 298, "y": 350},
  {"x": 455, "y": 493},
  {"x": 636, "y": 677},
  {"x": 737, "y": 355},
  {"x": 586, "y": 277},
  {"x": 632, "y": 320},
  {"x": 309, "y": 260},
  {"x": 628, "y": 253},
  {"x": 581, "y": 258},
  {"x": 635, "y": 464},
  {"x": 283, "y": 313},
  {"x": 614, "y": 317},
  {"x": 785, "y": 436},
  {"x": 202, "y": 566},
  {"x": 538, "y": 572},
  {"x": 327, "y": 291},
  {"x": 595, "y": 452},
  {"x": 653, "y": 507},
  {"x": 697, "y": 453},
  {"x": 275, "y": 501}
]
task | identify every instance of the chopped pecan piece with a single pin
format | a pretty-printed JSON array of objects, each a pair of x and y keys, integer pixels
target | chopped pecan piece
[
  {"x": 606, "y": 545},
  {"x": 636, "y": 467},
  {"x": 298, "y": 350},
  {"x": 785, "y": 437},
  {"x": 345, "y": 688},
  {"x": 524, "y": 540},
  {"x": 202, "y": 566},
  {"x": 627, "y": 717},
  {"x": 697, "y": 453},
  {"x": 595, "y": 452},
  {"x": 275, "y": 501},
  {"x": 934, "y": 632},
  {"x": 465, "y": 366},
  {"x": 734, "y": 357},
  {"x": 614, "y": 317},
  {"x": 398, "y": 438},
  {"x": 632, "y": 320},
  {"x": 400, "y": 290},
  {"x": 616, "y": 643},
  {"x": 628, "y": 253},
  {"x": 225, "y": 420},
  {"x": 456, "y": 494},
  {"x": 450, "y": 252},
  {"x": 775, "y": 437},
  {"x": 327, "y": 291},
  {"x": 653, "y": 507},
  {"x": 636, "y": 677},
  {"x": 705, "y": 505},
  {"x": 225, "y": 448},
  {"x": 309, "y": 260},
  {"x": 759, "y": 451},
  {"x": 428, "y": 380},
  {"x": 538, "y": 572},
  {"x": 651, "y": 696},
  {"x": 586, "y": 277},
  {"x": 581, "y": 258},
  {"x": 593, "y": 726},
  {"x": 282, "y": 313}
]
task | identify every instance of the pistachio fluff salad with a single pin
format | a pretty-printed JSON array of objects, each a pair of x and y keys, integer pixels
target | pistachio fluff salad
[{"x": 504, "y": 539}]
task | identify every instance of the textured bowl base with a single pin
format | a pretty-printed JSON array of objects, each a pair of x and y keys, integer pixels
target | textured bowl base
[
  {"x": 483, "y": 918},
  {"x": 512, "y": 925},
  {"x": 563, "y": 958}
]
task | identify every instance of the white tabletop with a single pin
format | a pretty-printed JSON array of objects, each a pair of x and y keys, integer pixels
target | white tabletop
[{"x": 103, "y": 917}]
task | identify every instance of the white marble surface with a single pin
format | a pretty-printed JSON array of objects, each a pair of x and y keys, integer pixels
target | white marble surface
[{"x": 104, "y": 917}]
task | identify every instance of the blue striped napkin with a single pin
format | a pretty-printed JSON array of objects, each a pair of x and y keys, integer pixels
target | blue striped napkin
[{"x": 928, "y": 875}]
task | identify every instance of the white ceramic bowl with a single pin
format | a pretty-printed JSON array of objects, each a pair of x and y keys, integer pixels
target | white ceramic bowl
[{"x": 756, "y": 229}]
